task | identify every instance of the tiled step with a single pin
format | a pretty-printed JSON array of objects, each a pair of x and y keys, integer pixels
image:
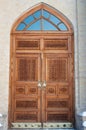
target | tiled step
[{"x": 42, "y": 129}]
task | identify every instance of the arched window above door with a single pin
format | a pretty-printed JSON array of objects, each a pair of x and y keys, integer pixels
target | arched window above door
[
  {"x": 42, "y": 20},
  {"x": 42, "y": 17}
]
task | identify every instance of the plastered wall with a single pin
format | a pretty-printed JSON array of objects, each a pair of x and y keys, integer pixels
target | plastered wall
[{"x": 82, "y": 52}]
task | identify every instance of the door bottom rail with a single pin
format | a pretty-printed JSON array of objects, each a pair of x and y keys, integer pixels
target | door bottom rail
[{"x": 42, "y": 125}]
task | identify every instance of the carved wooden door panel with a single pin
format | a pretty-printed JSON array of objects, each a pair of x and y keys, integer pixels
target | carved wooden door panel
[
  {"x": 26, "y": 107},
  {"x": 42, "y": 85},
  {"x": 57, "y": 93},
  {"x": 58, "y": 90}
]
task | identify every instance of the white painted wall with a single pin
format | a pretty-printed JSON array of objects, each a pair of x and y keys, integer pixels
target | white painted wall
[{"x": 82, "y": 52}]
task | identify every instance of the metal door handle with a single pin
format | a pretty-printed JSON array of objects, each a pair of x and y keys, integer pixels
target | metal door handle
[
  {"x": 39, "y": 84},
  {"x": 44, "y": 84}
]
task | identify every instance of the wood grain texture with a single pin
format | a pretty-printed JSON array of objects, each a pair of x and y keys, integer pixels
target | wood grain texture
[{"x": 41, "y": 56}]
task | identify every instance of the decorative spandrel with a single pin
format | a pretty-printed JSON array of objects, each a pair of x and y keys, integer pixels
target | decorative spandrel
[{"x": 42, "y": 20}]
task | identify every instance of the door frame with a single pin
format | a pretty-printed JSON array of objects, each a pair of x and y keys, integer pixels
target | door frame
[{"x": 37, "y": 35}]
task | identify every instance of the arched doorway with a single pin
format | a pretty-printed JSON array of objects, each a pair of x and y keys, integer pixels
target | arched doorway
[{"x": 42, "y": 70}]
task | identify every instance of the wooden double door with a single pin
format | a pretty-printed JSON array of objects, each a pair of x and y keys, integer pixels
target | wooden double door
[{"x": 42, "y": 82}]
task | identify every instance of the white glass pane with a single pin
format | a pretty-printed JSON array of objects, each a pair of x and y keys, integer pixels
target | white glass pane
[
  {"x": 29, "y": 19},
  {"x": 21, "y": 26},
  {"x": 37, "y": 14},
  {"x": 35, "y": 26},
  {"x": 62, "y": 27},
  {"x": 54, "y": 19},
  {"x": 48, "y": 26},
  {"x": 46, "y": 14}
]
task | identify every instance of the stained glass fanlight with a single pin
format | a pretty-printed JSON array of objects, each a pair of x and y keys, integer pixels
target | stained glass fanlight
[{"x": 42, "y": 20}]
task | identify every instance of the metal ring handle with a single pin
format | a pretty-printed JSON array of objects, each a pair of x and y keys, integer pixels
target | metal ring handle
[
  {"x": 44, "y": 84},
  {"x": 39, "y": 84}
]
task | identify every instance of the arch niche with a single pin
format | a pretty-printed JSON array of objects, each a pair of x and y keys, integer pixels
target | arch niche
[{"x": 42, "y": 70}]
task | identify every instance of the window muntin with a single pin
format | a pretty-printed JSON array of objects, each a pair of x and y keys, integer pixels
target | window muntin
[
  {"x": 35, "y": 26},
  {"x": 54, "y": 19},
  {"x": 21, "y": 26},
  {"x": 46, "y": 14},
  {"x": 62, "y": 26},
  {"x": 48, "y": 26},
  {"x": 29, "y": 19},
  {"x": 42, "y": 20},
  {"x": 37, "y": 14}
]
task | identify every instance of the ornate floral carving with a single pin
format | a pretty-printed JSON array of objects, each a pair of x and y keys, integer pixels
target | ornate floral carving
[
  {"x": 20, "y": 90},
  {"x": 63, "y": 90},
  {"x": 33, "y": 90},
  {"x": 51, "y": 90}
]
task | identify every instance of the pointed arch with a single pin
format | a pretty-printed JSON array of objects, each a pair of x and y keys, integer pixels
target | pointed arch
[{"x": 38, "y": 17}]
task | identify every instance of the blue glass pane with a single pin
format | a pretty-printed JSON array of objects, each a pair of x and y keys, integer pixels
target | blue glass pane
[
  {"x": 35, "y": 26},
  {"x": 29, "y": 19},
  {"x": 46, "y": 14},
  {"x": 62, "y": 27},
  {"x": 48, "y": 26},
  {"x": 37, "y": 14},
  {"x": 21, "y": 26},
  {"x": 54, "y": 19}
]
